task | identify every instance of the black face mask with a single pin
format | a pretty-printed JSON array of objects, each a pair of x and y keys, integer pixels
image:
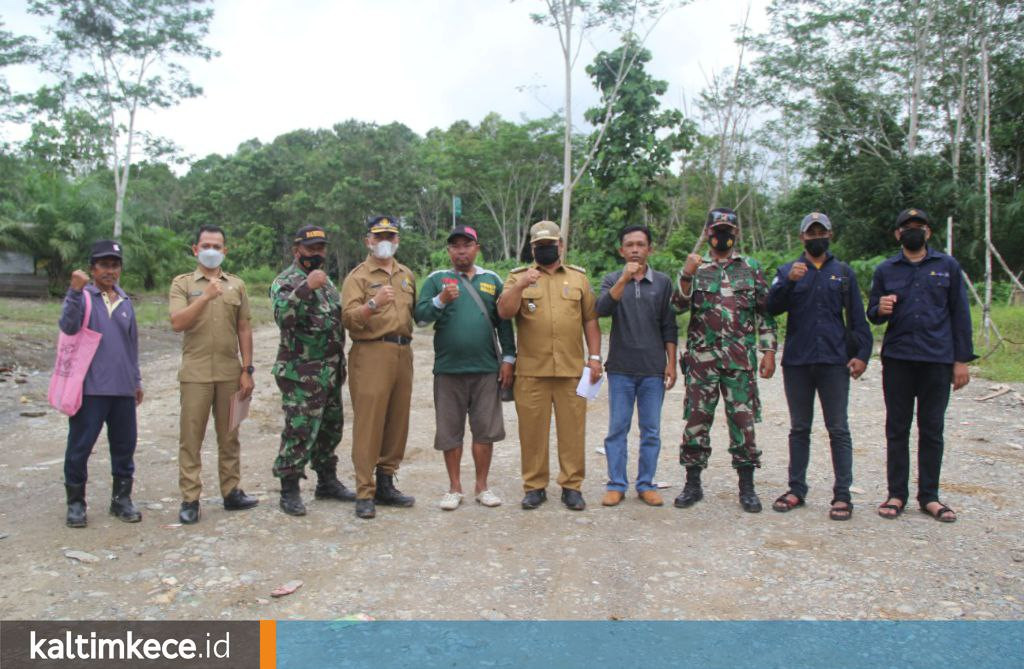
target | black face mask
[
  {"x": 722, "y": 239},
  {"x": 912, "y": 239},
  {"x": 816, "y": 247},
  {"x": 546, "y": 255},
  {"x": 310, "y": 263}
]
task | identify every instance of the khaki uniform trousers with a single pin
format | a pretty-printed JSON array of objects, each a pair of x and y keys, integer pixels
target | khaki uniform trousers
[
  {"x": 197, "y": 399},
  {"x": 380, "y": 385},
  {"x": 534, "y": 397}
]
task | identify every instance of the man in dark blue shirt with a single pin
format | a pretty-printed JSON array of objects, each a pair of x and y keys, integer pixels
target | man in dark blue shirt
[
  {"x": 815, "y": 290},
  {"x": 641, "y": 362},
  {"x": 921, "y": 295}
]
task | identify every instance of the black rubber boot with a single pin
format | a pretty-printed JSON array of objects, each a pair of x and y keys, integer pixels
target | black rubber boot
[
  {"x": 76, "y": 505},
  {"x": 121, "y": 501},
  {"x": 365, "y": 508},
  {"x": 291, "y": 500},
  {"x": 387, "y": 494},
  {"x": 329, "y": 487},
  {"x": 692, "y": 491},
  {"x": 748, "y": 497}
]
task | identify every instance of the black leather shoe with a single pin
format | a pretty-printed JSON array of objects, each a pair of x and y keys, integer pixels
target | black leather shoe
[
  {"x": 121, "y": 501},
  {"x": 749, "y": 500},
  {"x": 388, "y": 495},
  {"x": 573, "y": 499},
  {"x": 329, "y": 487},
  {"x": 365, "y": 508},
  {"x": 237, "y": 500},
  {"x": 189, "y": 514},
  {"x": 76, "y": 505},
  {"x": 291, "y": 499},
  {"x": 534, "y": 498},
  {"x": 692, "y": 491}
]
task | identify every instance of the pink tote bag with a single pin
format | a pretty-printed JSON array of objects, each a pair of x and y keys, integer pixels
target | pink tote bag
[{"x": 74, "y": 355}]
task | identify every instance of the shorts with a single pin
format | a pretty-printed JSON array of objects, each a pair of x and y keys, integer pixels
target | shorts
[{"x": 455, "y": 396}]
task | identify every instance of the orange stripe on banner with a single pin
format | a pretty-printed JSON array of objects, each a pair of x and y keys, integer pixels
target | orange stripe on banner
[{"x": 268, "y": 644}]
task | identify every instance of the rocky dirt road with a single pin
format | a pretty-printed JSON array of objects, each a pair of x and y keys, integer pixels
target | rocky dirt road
[{"x": 631, "y": 562}]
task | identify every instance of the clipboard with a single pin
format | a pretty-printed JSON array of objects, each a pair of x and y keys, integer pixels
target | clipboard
[{"x": 239, "y": 410}]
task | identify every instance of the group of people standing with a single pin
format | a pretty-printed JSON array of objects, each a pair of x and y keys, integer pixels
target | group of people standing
[{"x": 479, "y": 361}]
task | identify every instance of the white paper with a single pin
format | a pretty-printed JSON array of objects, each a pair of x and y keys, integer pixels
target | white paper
[{"x": 586, "y": 388}]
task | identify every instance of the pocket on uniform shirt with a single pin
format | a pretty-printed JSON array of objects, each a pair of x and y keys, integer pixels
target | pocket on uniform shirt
[{"x": 571, "y": 293}]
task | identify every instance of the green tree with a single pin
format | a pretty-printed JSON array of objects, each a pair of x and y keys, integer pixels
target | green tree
[{"x": 115, "y": 57}]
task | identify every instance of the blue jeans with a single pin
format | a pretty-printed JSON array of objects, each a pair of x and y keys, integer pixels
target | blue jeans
[
  {"x": 832, "y": 385},
  {"x": 647, "y": 392}
]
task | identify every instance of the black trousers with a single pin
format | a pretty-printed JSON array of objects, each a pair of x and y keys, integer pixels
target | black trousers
[
  {"x": 905, "y": 382},
  {"x": 118, "y": 413}
]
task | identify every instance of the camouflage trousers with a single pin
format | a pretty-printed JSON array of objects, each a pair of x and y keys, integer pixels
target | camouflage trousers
[
  {"x": 704, "y": 383},
  {"x": 312, "y": 425}
]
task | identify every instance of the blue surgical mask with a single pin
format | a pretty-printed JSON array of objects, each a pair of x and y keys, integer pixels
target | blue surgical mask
[{"x": 210, "y": 258}]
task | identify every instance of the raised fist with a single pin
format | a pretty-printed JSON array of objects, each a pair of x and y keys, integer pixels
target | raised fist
[
  {"x": 316, "y": 279},
  {"x": 78, "y": 280}
]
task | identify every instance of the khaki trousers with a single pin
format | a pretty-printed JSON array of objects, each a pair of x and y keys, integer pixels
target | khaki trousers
[
  {"x": 534, "y": 397},
  {"x": 197, "y": 399},
  {"x": 380, "y": 386}
]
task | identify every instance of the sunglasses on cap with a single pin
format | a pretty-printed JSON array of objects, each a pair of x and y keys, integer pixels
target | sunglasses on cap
[{"x": 723, "y": 217}]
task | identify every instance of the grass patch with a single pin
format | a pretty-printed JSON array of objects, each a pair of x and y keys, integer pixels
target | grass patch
[{"x": 1003, "y": 362}]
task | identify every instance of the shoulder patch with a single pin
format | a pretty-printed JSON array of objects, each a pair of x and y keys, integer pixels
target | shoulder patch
[
  {"x": 577, "y": 268},
  {"x": 517, "y": 270}
]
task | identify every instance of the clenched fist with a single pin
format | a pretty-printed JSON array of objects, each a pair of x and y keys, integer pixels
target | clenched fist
[
  {"x": 316, "y": 279},
  {"x": 692, "y": 263},
  {"x": 78, "y": 280},
  {"x": 213, "y": 289},
  {"x": 531, "y": 276},
  {"x": 886, "y": 303},
  {"x": 385, "y": 296},
  {"x": 449, "y": 294},
  {"x": 797, "y": 271}
]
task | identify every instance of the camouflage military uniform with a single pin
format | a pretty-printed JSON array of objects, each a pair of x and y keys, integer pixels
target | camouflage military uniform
[
  {"x": 309, "y": 370},
  {"x": 728, "y": 324}
]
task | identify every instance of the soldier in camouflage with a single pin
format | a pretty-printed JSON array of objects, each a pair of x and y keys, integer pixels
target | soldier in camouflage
[
  {"x": 309, "y": 370},
  {"x": 725, "y": 294}
]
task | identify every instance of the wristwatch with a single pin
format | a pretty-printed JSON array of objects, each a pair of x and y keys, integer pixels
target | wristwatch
[
  {"x": 595, "y": 357},
  {"x": 372, "y": 303},
  {"x": 249, "y": 370}
]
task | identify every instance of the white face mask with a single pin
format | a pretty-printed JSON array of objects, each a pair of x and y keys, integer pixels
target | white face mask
[
  {"x": 385, "y": 249},
  {"x": 210, "y": 258}
]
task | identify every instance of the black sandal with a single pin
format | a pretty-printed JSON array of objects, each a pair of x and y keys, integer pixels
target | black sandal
[
  {"x": 841, "y": 512},
  {"x": 782, "y": 504},
  {"x": 887, "y": 505},
  {"x": 940, "y": 512}
]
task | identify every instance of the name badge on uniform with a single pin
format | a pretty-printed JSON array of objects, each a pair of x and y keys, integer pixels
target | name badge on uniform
[{"x": 405, "y": 284}]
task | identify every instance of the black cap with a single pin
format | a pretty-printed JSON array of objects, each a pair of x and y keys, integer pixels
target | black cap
[
  {"x": 382, "y": 224},
  {"x": 912, "y": 215},
  {"x": 722, "y": 215},
  {"x": 105, "y": 248},
  {"x": 309, "y": 235},
  {"x": 463, "y": 231}
]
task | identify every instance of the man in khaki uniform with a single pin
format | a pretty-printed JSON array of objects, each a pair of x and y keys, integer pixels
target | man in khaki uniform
[
  {"x": 377, "y": 300},
  {"x": 554, "y": 307},
  {"x": 210, "y": 306}
]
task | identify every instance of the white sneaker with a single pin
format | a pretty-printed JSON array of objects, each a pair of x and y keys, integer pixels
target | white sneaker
[
  {"x": 488, "y": 498},
  {"x": 451, "y": 501}
]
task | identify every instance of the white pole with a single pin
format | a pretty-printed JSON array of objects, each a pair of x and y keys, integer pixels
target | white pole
[{"x": 949, "y": 236}]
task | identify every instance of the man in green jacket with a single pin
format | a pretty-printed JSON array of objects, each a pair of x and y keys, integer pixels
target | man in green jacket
[{"x": 462, "y": 302}]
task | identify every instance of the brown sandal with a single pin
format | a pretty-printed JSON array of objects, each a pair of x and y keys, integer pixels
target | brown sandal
[
  {"x": 782, "y": 504},
  {"x": 892, "y": 507},
  {"x": 940, "y": 513},
  {"x": 841, "y": 512}
]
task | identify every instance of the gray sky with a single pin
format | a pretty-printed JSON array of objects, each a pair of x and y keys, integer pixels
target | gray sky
[{"x": 424, "y": 63}]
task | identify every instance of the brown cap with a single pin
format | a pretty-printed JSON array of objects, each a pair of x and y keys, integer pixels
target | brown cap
[{"x": 545, "y": 230}]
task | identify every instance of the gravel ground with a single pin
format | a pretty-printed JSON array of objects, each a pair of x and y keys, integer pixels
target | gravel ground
[{"x": 712, "y": 561}]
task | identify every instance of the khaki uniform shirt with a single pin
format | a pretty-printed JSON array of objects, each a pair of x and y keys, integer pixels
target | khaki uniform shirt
[
  {"x": 361, "y": 284},
  {"x": 550, "y": 320},
  {"x": 210, "y": 348}
]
